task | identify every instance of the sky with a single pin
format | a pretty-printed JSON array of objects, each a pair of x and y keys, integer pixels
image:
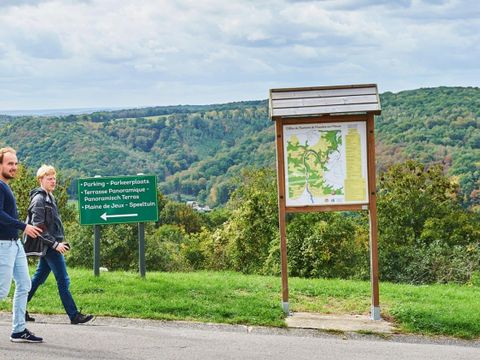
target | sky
[{"x": 57, "y": 54}]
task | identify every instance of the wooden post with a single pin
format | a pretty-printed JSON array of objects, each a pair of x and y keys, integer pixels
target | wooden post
[
  {"x": 282, "y": 213},
  {"x": 372, "y": 193}
]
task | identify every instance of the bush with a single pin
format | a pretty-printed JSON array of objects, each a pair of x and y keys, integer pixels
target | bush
[
  {"x": 425, "y": 236},
  {"x": 254, "y": 222},
  {"x": 162, "y": 249},
  {"x": 441, "y": 263},
  {"x": 327, "y": 245},
  {"x": 475, "y": 278},
  {"x": 81, "y": 244}
]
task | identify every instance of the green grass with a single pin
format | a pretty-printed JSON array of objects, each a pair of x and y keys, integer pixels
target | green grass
[
  {"x": 202, "y": 296},
  {"x": 435, "y": 309},
  {"x": 227, "y": 297},
  {"x": 451, "y": 310}
]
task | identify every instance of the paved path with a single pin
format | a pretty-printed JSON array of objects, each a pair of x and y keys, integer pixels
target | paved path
[
  {"x": 110, "y": 338},
  {"x": 342, "y": 322}
]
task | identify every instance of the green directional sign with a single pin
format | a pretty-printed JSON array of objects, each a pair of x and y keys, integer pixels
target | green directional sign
[{"x": 116, "y": 200}]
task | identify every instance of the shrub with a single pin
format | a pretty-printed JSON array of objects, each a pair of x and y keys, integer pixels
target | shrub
[{"x": 162, "y": 249}]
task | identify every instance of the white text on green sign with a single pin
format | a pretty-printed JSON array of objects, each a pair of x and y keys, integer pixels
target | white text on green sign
[{"x": 125, "y": 199}]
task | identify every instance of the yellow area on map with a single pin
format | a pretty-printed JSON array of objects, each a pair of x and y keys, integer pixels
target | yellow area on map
[
  {"x": 354, "y": 183},
  {"x": 295, "y": 189}
]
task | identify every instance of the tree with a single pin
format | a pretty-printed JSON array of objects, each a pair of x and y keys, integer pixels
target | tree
[
  {"x": 23, "y": 183},
  {"x": 181, "y": 215},
  {"x": 254, "y": 221},
  {"x": 420, "y": 219}
]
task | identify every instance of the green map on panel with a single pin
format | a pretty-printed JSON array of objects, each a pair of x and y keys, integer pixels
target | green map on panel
[{"x": 307, "y": 164}]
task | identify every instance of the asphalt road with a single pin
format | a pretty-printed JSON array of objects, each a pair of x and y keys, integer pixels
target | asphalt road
[{"x": 110, "y": 338}]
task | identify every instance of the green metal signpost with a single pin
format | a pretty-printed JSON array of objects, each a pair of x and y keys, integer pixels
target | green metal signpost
[{"x": 118, "y": 200}]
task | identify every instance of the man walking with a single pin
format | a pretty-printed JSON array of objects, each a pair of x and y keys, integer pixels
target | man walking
[{"x": 13, "y": 262}]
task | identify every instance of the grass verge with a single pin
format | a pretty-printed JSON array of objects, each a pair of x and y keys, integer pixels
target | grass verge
[{"x": 228, "y": 297}]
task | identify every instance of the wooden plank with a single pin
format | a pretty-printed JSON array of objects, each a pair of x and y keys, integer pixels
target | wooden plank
[
  {"x": 326, "y": 109},
  {"x": 325, "y": 119},
  {"x": 321, "y": 208},
  {"x": 324, "y": 101},
  {"x": 328, "y": 87},
  {"x": 322, "y": 93}
]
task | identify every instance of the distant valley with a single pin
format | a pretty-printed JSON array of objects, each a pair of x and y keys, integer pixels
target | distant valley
[{"x": 197, "y": 152}]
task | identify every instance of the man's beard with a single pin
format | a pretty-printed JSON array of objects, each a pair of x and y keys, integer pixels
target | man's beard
[{"x": 7, "y": 175}]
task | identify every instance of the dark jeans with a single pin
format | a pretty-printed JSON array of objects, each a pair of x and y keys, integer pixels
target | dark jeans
[{"x": 55, "y": 262}]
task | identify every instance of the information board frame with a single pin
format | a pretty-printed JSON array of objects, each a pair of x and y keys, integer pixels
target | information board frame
[{"x": 323, "y": 105}]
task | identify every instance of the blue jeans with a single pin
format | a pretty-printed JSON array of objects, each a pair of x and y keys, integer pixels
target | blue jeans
[
  {"x": 13, "y": 262},
  {"x": 55, "y": 262}
]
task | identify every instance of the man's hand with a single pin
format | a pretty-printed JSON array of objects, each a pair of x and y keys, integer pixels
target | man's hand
[
  {"x": 32, "y": 231},
  {"x": 62, "y": 248}
]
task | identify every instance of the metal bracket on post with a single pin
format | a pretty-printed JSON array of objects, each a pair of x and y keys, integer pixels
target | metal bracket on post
[
  {"x": 375, "y": 313},
  {"x": 285, "y": 308}
]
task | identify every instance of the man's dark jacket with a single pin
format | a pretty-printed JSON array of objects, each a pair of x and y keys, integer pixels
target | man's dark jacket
[{"x": 43, "y": 212}]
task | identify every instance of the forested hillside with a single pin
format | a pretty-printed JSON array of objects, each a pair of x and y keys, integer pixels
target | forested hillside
[
  {"x": 198, "y": 151},
  {"x": 437, "y": 125}
]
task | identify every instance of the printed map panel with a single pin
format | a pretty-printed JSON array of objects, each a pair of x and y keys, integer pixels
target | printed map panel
[{"x": 325, "y": 164}]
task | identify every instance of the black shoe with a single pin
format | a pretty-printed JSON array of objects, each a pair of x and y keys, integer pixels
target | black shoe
[
  {"x": 81, "y": 319},
  {"x": 25, "y": 336},
  {"x": 28, "y": 317}
]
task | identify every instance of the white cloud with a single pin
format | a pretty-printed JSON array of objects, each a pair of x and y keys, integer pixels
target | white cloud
[{"x": 67, "y": 53}]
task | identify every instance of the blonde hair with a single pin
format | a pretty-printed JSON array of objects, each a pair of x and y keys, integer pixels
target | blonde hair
[
  {"x": 45, "y": 170},
  {"x": 5, "y": 150}
]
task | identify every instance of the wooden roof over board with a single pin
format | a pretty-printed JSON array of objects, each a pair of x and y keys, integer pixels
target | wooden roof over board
[{"x": 325, "y": 100}]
